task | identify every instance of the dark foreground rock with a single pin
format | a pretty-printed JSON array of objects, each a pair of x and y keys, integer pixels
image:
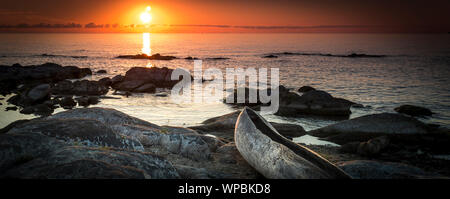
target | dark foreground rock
[
  {"x": 391, "y": 137},
  {"x": 104, "y": 143},
  {"x": 361, "y": 167},
  {"x": 156, "y": 56},
  {"x": 141, "y": 79},
  {"x": 33, "y": 155},
  {"x": 370, "y": 169},
  {"x": 413, "y": 110},
  {"x": 223, "y": 127},
  {"x": 13, "y": 76}
]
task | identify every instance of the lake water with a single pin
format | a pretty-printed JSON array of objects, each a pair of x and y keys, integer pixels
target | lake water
[{"x": 415, "y": 70}]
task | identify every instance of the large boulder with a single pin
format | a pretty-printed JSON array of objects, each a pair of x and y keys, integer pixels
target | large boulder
[
  {"x": 313, "y": 102},
  {"x": 140, "y": 79},
  {"x": 79, "y": 144},
  {"x": 413, "y": 110},
  {"x": 247, "y": 100},
  {"x": 180, "y": 141},
  {"x": 371, "y": 126}
]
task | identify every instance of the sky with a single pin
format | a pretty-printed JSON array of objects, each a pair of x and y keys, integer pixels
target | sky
[{"x": 231, "y": 15}]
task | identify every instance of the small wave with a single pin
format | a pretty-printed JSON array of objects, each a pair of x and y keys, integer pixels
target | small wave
[{"x": 353, "y": 55}]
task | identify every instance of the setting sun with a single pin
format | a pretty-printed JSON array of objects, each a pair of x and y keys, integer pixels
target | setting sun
[{"x": 145, "y": 16}]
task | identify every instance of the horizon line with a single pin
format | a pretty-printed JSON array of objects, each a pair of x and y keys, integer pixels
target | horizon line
[{"x": 123, "y": 28}]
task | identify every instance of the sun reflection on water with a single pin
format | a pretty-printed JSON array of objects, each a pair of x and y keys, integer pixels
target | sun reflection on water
[{"x": 146, "y": 44}]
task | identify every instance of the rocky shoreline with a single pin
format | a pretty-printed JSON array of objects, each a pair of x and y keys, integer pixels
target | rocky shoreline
[
  {"x": 114, "y": 145},
  {"x": 106, "y": 143}
]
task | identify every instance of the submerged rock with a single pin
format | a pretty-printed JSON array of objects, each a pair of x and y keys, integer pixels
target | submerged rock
[
  {"x": 413, "y": 110},
  {"x": 270, "y": 56},
  {"x": 156, "y": 56},
  {"x": 305, "y": 89},
  {"x": 217, "y": 58},
  {"x": 191, "y": 58}
]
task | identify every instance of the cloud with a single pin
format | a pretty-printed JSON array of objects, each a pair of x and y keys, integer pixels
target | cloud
[{"x": 43, "y": 25}]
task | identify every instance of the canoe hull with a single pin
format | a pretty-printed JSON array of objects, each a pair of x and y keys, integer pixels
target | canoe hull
[{"x": 275, "y": 156}]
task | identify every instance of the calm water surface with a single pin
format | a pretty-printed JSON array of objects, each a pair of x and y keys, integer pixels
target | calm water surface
[{"x": 416, "y": 68}]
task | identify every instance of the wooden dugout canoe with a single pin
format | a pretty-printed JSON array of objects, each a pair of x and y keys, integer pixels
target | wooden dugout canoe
[{"x": 274, "y": 156}]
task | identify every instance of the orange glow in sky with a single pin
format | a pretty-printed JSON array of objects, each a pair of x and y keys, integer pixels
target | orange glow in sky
[{"x": 214, "y": 15}]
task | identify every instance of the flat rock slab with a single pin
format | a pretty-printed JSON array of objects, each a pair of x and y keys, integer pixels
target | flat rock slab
[
  {"x": 370, "y": 126},
  {"x": 87, "y": 132}
]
